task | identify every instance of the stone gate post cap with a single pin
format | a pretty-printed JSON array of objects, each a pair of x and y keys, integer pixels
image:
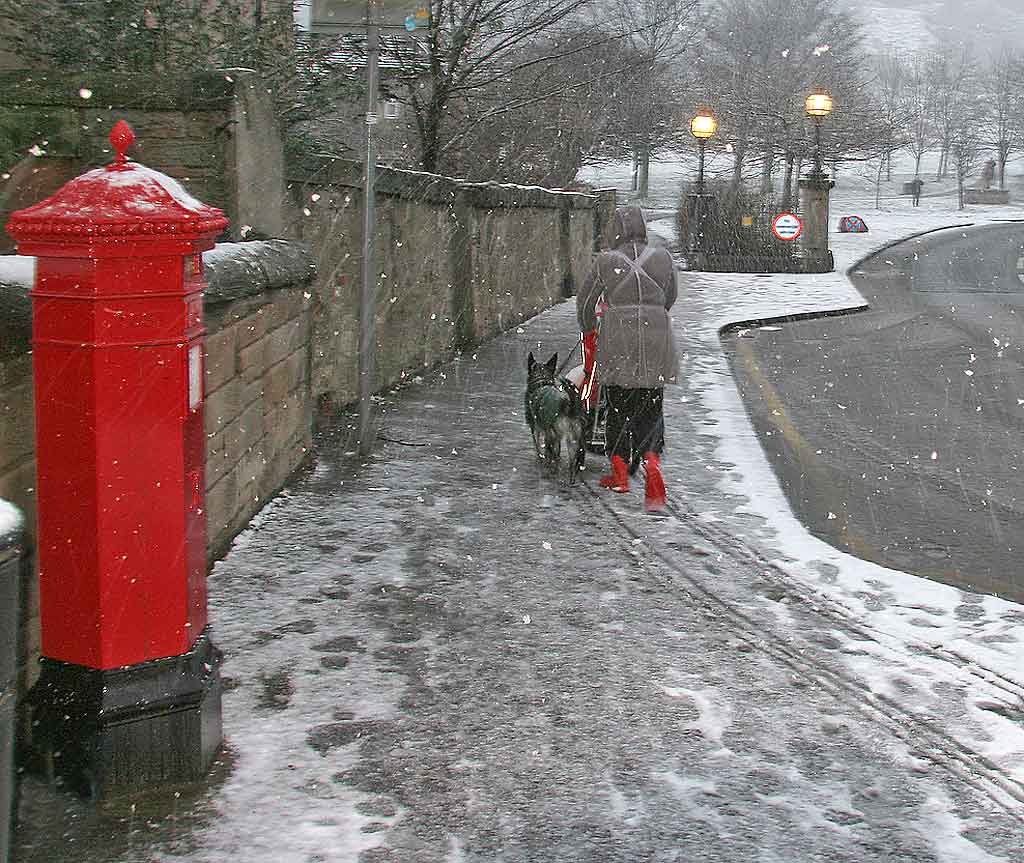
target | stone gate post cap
[{"x": 120, "y": 201}]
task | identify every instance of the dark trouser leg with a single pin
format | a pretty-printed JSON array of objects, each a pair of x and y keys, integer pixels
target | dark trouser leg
[
  {"x": 617, "y": 437},
  {"x": 635, "y": 423}
]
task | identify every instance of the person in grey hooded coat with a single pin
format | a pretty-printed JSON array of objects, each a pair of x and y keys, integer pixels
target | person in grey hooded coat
[{"x": 635, "y": 284}]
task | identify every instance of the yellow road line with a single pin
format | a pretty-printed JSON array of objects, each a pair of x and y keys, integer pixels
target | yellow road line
[{"x": 805, "y": 453}]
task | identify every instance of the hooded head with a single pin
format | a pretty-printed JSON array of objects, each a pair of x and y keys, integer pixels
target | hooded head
[{"x": 628, "y": 226}]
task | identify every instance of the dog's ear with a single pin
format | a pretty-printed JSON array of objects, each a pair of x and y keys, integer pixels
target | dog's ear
[
  {"x": 530, "y": 361},
  {"x": 552, "y": 364}
]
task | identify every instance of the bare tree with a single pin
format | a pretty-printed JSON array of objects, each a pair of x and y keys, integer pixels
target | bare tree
[
  {"x": 469, "y": 48},
  {"x": 659, "y": 33},
  {"x": 764, "y": 56},
  {"x": 918, "y": 105},
  {"x": 954, "y": 71},
  {"x": 890, "y": 79},
  {"x": 965, "y": 149},
  {"x": 1002, "y": 83},
  {"x": 585, "y": 98}
]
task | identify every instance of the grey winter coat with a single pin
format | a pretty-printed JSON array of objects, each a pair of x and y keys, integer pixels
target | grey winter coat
[{"x": 635, "y": 347}]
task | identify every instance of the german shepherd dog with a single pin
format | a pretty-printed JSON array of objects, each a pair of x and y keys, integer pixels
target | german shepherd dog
[{"x": 555, "y": 414}]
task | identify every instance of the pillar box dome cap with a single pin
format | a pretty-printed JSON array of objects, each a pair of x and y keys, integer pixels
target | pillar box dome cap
[{"x": 120, "y": 201}]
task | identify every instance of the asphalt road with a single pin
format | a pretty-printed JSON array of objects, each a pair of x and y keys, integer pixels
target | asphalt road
[{"x": 897, "y": 432}]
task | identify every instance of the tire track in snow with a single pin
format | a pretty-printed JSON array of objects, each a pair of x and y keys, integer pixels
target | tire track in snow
[{"x": 931, "y": 743}]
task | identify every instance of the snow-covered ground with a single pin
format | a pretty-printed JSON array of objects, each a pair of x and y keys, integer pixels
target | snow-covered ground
[
  {"x": 434, "y": 656},
  {"x": 918, "y": 625}
]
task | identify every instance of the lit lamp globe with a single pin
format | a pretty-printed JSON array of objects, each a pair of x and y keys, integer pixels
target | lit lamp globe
[
  {"x": 703, "y": 125},
  {"x": 818, "y": 104}
]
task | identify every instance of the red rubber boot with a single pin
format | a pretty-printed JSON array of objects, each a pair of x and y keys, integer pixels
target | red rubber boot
[
  {"x": 655, "y": 497},
  {"x": 618, "y": 479}
]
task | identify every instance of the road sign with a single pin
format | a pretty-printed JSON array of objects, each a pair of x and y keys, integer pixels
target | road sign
[
  {"x": 419, "y": 18},
  {"x": 787, "y": 226},
  {"x": 349, "y": 16}
]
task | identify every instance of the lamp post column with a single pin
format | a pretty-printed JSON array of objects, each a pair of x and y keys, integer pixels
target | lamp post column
[
  {"x": 703, "y": 125},
  {"x": 817, "y": 147},
  {"x": 814, "y": 193},
  {"x": 368, "y": 293},
  {"x": 700, "y": 168}
]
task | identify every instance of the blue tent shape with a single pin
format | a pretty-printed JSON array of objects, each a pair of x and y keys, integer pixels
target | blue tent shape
[{"x": 852, "y": 225}]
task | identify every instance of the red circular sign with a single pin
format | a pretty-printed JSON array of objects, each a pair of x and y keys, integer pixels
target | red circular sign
[{"x": 787, "y": 226}]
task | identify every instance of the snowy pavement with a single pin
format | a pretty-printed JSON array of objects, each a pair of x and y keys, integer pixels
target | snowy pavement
[{"x": 437, "y": 655}]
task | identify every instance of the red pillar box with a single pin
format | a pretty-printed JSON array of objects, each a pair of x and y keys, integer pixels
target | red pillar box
[{"x": 129, "y": 692}]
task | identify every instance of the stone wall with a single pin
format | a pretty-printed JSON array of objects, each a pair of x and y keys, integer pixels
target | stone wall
[
  {"x": 259, "y": 407},
  {"x": 458, "y": 263},
  {"x": 215, "y": 132}
]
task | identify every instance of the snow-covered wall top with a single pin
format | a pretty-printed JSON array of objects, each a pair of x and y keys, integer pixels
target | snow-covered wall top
[
  {"x": 11, "y": 523},
  {"x": 434, "y": 188},
  {"x": 233, "y": 271}
]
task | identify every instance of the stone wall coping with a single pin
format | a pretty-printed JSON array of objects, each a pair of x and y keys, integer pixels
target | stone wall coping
[
  {"x": 238, "y": 270},
  {"x": 233, "y": 271},
  {"x": 434, "y": 188}
]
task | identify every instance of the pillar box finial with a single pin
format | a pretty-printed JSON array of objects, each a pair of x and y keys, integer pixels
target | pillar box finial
[
  {"x": 104, "y": 210},
  {"x": 121, "y": 138}
]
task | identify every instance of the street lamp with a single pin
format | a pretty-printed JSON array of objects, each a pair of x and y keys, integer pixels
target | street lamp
[
  {"x": 703, "y": 126},
  {"x": 818, "y": 106},
  {"x": 814, "y": 193}
]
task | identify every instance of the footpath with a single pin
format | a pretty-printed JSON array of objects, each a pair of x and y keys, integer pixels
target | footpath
[{"x": 435, "y": 655}]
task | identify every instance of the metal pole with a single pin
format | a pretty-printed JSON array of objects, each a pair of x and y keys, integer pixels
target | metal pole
[
  {"x": 700, "y": 169},
  {"x": 368, "y": 296},
  {"x": 817, "y": 148}
]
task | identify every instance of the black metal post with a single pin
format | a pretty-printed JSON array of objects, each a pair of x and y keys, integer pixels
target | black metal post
[
  {"x": 700, "y": 168},
  {"x": 368, "y": 294},
  {"x": 817, "y": 147},
  {"x": 11, "y": 563}
]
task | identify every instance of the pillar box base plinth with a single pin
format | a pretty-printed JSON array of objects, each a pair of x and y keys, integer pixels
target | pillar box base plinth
[{"x": 105, "y": 732}]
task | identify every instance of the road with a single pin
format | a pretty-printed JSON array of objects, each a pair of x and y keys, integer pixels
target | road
[{"x": 897, "y": 432}]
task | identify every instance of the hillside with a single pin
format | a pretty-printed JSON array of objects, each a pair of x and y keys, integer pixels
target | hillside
[{"x": 905, "y": 24}]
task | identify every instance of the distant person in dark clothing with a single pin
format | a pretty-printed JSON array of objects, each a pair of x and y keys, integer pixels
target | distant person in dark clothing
[
  {"x": 915, "y": 189},
  {"x": 988, "y": 174}
]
